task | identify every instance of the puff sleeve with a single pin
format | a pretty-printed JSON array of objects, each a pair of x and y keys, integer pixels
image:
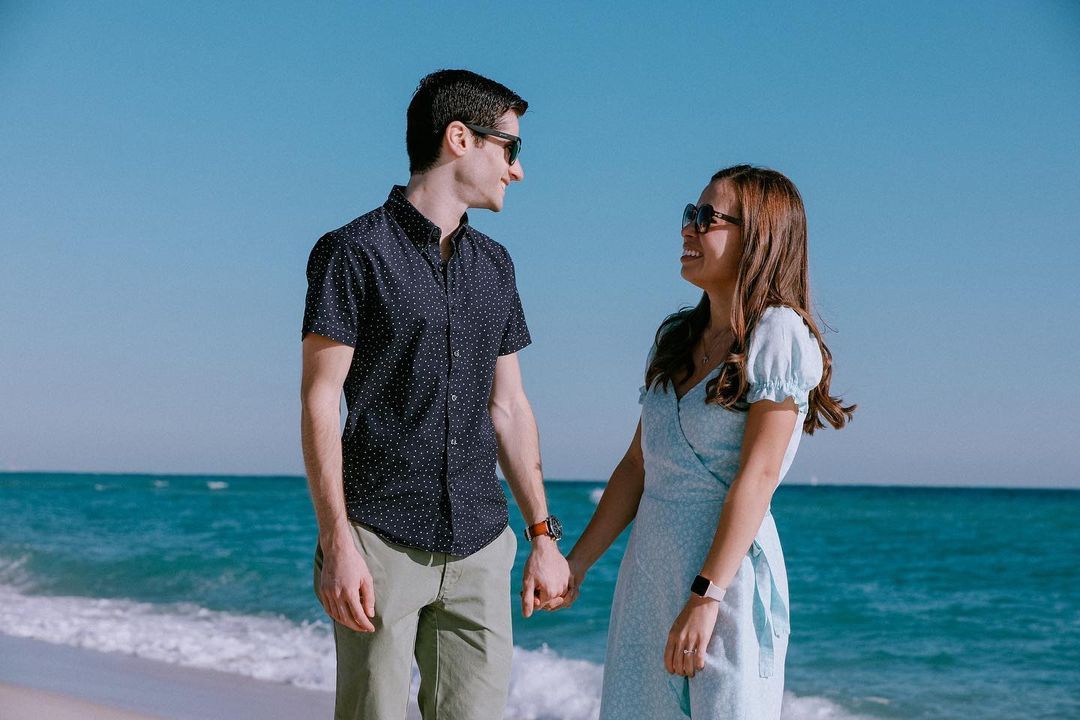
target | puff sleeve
[{"x": 784, "y": 359}]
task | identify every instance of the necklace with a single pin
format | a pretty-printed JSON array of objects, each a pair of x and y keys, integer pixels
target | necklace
[{"x": 707, "y": 349}]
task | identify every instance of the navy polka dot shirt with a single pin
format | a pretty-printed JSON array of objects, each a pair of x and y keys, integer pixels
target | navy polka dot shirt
[{"x": 419, "y": 446}]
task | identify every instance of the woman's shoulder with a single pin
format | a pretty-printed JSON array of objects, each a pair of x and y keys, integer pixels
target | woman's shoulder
[{"x": 781, "y": 319}]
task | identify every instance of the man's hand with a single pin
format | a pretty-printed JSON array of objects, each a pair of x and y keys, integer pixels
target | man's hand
[
  {"x": 546, "y": 577},
  {"x": 346, "y": 589}
]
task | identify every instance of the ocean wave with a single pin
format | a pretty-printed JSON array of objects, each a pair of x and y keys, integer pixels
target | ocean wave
[
  {"x": 543, "y": 684},
  {"x": 815, "y": 708},
  {"x": 546, "y": 686},
  {"x": 263, "y": 647},
  {"x": 13, "y": 573}
]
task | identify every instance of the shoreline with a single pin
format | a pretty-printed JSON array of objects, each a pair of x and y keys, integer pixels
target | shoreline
[{"x": 47, "y": 681}]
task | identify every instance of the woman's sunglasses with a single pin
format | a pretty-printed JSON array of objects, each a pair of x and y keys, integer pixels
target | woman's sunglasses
[
  {"x": 702, "y": 217},
  {"x": 514, "y": 148}
]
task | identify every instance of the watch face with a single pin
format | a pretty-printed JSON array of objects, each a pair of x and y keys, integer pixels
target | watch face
[
  {"x": 555, "y": 526},
  {"x": 700, "y": 586}
]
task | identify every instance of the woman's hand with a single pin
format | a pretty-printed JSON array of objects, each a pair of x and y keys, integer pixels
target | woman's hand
[
  {"x": 577, "y": 577},
  {"x": 690, "y": 632}
]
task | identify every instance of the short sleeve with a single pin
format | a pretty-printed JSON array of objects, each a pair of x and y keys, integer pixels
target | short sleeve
[
  {"x": 784, "y": 359},
  {"x": 334, "y": 293},
  {"x": 516, "y": 333}
]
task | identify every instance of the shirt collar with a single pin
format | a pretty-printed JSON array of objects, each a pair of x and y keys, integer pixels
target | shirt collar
[{"x": 416, "y": 225}]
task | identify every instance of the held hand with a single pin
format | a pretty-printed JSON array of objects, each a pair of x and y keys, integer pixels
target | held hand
[
  {"x": 546, "y": 576},
  {"x": 577, "y": 577},
  {"x": 690, "y": 632},
  {"x": 346, "y": 589}
]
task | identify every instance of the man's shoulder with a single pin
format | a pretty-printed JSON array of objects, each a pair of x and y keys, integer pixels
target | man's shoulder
[
  {"x": 365, "y": 232},
  {"x": 486, "y": 244}
]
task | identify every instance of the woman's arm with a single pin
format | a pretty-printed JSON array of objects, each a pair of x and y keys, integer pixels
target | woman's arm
[
  {"x": 765, "y": 440},
  {"x": 617, "y": 507}
]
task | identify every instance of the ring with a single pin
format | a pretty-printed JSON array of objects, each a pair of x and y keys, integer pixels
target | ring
[{"x": 689, "y": 652}]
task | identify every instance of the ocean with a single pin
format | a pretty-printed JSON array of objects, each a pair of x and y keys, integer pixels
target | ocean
[{"x": 905, "y": 602}]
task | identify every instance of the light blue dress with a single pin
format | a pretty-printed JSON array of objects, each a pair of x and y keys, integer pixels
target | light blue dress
[{"x": 691, "y": 452}]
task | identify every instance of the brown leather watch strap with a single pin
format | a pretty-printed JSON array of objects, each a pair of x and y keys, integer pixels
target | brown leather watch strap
[{"x": 540, "y": 528}]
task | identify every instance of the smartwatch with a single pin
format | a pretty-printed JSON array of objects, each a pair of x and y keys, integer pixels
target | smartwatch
[
  {"x": 548, "y": 526},
  {"x": 705, "y": 588}
]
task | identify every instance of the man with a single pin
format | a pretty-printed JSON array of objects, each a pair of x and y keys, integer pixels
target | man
[{"x": 416, "y": 315}]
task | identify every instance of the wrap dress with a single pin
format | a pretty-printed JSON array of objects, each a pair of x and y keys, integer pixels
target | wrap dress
[{"x": 691, "y": 452}]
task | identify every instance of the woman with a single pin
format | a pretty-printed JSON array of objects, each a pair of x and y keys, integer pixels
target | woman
[{"x": 699, "y": 622}]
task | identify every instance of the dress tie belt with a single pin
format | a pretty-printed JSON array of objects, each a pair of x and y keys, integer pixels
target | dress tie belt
[{"x": 771, "y": 617}]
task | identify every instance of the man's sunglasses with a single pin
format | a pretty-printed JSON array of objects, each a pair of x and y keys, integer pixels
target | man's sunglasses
[
  {"x": 702, "y": 217},
  {"x": 514, "y": 148}
]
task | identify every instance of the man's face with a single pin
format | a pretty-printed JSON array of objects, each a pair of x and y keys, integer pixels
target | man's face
[{"x": 488, "y": 174}]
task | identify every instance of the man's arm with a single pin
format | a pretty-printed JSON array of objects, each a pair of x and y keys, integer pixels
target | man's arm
[
  {"x": 345, "y": 587},
  {"x": 546, "y": 572}
]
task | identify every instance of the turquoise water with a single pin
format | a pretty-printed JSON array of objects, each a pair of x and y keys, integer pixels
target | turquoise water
[{"x": 906, "y": 602}]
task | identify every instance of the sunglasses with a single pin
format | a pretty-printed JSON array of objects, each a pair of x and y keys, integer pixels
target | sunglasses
[
  {"x": 514, "y": 148},
  {"x": 702, "y": 217}
]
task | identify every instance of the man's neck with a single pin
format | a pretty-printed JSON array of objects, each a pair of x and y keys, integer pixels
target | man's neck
[{"x": 432, "y": 195}]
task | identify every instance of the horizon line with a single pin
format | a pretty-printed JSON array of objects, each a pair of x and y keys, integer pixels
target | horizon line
[{"x": 798, "y": 483}]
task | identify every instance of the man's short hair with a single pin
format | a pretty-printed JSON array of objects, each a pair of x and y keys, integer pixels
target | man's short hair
[{"x": 448, "y": 95}]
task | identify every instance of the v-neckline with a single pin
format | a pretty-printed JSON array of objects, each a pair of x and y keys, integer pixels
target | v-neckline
[{"x": 679, "y": 398}]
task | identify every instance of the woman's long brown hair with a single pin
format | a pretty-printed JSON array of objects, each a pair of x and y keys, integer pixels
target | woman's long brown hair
[{"x": 773, "y": 271}]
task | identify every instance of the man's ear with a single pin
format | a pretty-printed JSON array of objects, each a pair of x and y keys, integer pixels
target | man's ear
[{"x": 456, "y": 140}]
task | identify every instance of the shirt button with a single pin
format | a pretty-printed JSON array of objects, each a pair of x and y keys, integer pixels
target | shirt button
[
  {"x": 457, "y": 353},
  {"x": 453, "y": 441},
  {"x": 453, "y": 397}
]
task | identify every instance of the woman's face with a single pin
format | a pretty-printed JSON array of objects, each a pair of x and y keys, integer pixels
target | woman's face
[{"x": 711, "y": 259}]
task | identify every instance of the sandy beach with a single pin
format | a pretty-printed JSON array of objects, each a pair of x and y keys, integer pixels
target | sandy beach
[
  {"x": 18, "y": 703},
  {"x": 43, "y": 681}
]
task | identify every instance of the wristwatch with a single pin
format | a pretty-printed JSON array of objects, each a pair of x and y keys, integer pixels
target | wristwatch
[
  {"x": 548, "y": 526},
  {"x": 705, "y": 588}
]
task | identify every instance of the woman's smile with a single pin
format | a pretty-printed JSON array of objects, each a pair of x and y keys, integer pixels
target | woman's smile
[{"x": 689, "y": 254}]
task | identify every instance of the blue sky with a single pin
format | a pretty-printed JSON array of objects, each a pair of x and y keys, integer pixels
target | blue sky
[{"x": 167, "y": 167}]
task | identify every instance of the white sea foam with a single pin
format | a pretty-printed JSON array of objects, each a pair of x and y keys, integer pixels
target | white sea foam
[
  {"x": 161, "y": 483},
  {"x": 543, "y": 684},
  {"x": 217, "y": 484},
  {"x": 815, "y": 708},
  {"x": 263, "y": 647},
  {"x": 595, "y": 495}
]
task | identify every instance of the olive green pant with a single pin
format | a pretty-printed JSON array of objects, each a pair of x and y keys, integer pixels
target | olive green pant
[{"x": 451, "y": 613}]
